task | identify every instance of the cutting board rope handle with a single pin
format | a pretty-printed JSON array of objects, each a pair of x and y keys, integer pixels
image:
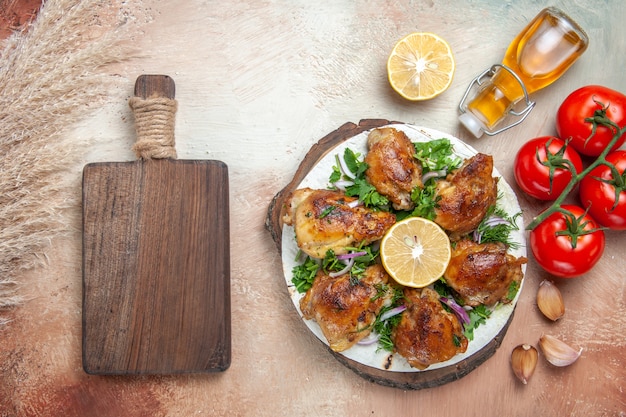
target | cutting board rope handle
[{"x": 154, "y": 123}]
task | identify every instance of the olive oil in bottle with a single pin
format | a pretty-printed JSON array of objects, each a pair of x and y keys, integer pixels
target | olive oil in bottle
[{"x": 537, "y": 57}]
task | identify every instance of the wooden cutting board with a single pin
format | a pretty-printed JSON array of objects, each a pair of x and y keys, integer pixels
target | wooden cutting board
[
  {"x": 404, "y": 380},
  {"x": 156, "y": 269}
]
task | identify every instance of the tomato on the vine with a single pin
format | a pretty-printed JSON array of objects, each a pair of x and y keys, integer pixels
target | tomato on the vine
[
  {"x": 603, "y": 192},
  {"x": 543, "y": 167},
  {"x": 580, "y": 114},
  {"x": 568, "y": 243}
]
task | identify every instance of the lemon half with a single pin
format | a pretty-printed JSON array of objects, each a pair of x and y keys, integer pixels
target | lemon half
[
  {"x": 421, "y": 66},
  {"x": 415, "y": 252}
]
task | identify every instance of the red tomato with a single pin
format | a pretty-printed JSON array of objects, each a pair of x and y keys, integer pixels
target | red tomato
[
  {"x": 584, "y": 103},
  {"x": 599, "y": 196},
  {"x": 533, "y": 177},
  {"x": 557, "y": 254}
]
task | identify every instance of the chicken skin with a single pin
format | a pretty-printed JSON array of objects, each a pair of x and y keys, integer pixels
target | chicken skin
[
  {"x": 481, "y": 273},
  {"x": 427, "y": 333},
  {"x": 465, "y": 195},
  {"x": 326, "y": 219},
  {"x": 346, "y": 308},
  {"x": 392, "y": 169}
]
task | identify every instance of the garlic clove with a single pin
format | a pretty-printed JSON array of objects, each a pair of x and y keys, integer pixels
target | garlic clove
[
  {"x": 523, "y": 361},
  {"x": 550, "y": 300},
  {"x": 557, "y": 352}
]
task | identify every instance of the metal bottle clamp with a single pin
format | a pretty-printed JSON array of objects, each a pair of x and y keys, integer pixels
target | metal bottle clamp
[{"x": 522, "y": 113}]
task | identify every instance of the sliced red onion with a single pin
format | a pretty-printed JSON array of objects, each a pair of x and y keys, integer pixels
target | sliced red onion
[
  {"x": 477, "y": 236},
  {"x": 490, "y": 222},
  {"x": 393, "y": 312},
  {"x": 370, "y": 339},
  {"x": 495, "y": 220},
  {"x": 351, "y": 255},
  {"x": 355, "y": 203},
  {"x": 345, "y": 270},
  {"x": 342, "y": 184},
  {"x": 434, "y": 174},
  {"x": 458, "y": 310}
]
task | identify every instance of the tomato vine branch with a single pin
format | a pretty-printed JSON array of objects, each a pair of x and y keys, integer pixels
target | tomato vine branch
[{"x": 577, "y": 177}]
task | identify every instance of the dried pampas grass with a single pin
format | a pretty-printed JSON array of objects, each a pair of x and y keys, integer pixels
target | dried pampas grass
[{"x": 51, "y": 76}]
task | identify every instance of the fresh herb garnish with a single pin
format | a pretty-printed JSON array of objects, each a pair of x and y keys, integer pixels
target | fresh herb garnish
[
  {"x": 381, "y": 290},
  {"x": 425, "y": 200},
  {"x": 385, "y": 328},
  {"x": 357, "y": 185},
  {"x": 366, "y": 192},
  {"x": 441, "y": 288},
  {"x": 304, "y": 274},
  {"x": 478, "y": 315},
  {"x": 497, "y": 226},
  {"x": 327, "y": 211},
  {"x": 353, "y": 163},
  {"x": 330, "y": 263},
  {"x": 436, "y": 154},
  {"x": 336, "y": 175},
  {"x": 513, "y": 289}
]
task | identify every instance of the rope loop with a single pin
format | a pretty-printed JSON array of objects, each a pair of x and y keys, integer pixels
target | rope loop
[{"x": 154, "y": 123}]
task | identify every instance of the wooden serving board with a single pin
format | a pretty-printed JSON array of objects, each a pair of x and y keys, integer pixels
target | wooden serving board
[
  {"x": 156, "y": 269},
  {"x": 404, "y": 380}
]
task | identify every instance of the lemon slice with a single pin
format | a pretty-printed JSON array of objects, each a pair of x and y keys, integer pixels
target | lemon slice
[
  {"x": 421, "y": 66},
  {"x": 415, "y": 252}
]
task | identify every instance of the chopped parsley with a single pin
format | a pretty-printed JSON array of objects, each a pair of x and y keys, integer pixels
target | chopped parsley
[
  {"x": 425, "y": 200},
  {"x": 330, "y": 263},
  {"x": 385, "y": 328},
  {"x": 497, "y": 226},
  {"x": 327, "y": 211},
  {"x": 359, "y": 186},
  {"x": 478, "y": 315},
  {"x": 441, "y": 288},
  {"x": 436, "y": 155},
  {"x": 352, "y": 162},
  {"x": 367, "y": 194},
  {"x": 304, "y": 274},
  {"x": 336, "y": 174},
  {"x": 513, "y": 289}
]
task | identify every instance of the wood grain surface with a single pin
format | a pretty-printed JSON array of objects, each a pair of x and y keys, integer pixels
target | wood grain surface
[
  {"x": 258, "y": 84},
  {"x": 156, "y": 267}
]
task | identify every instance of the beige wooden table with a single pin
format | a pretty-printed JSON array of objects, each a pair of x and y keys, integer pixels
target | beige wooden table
[{"x": 258, "y": 83}]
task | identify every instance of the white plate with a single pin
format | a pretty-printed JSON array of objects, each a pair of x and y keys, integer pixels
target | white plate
[{"x": 371, "y": 355}]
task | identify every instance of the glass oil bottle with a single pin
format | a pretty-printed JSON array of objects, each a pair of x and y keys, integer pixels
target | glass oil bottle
[{"x": 537, "y": 57}]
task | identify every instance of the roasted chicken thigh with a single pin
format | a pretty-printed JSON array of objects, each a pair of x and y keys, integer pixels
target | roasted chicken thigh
[
  {"x": 427, "y": 333},
  {"x": 481, "y": 273},
  {"x": 392, "y": 169},
  {"x": 326, "y": 219},
  {"x": 466, "y": 195},
  {"x": 345, "y": 308}
]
